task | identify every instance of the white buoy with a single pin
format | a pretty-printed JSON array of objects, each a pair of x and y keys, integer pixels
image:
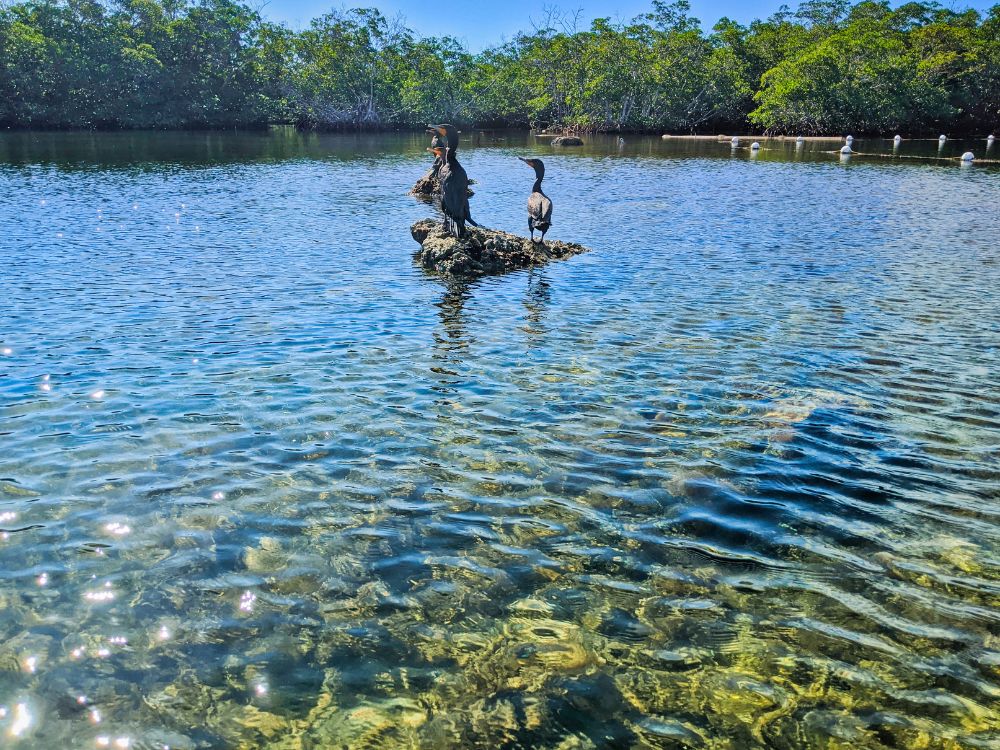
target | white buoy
[
  {"x": 799, "y": 141},
  {"x": 990, "y": 139},
  {"x": 897, "y": 140},
  {"x": 968, "y": 156},
  {"x": 849, "y": 139},
  {"x": 735, "y": 142},
  {"x": 846, "y": 150},
  {"x": 942, "y": 138},
  {"x": 754, "y": 146}
]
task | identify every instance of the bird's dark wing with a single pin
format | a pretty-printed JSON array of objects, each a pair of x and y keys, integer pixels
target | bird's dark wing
[
  {"x": 443, "y": 173},
  {"x": 546, "y": 209},
  {"x": 540, "y": 208},
  {"x": 454, "y": 190},
  {"x": 535, "y": 210}
]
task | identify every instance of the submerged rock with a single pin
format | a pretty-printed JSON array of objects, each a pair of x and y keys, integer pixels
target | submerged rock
[
  {"x": 483, "y": 251},
  {"x": 567, "y": 140}
]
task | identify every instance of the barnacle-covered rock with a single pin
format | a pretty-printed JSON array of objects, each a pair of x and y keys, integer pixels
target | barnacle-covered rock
[
  {"x": 483, "y": 251},
  {"x": 426, "y": 185},
  {"x": 430, "y": 185}
]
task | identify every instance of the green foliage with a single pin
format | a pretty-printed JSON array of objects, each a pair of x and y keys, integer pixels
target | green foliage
[
  {"x": 829, "y": 66},
  {"x": 871, "y": 73},
  {"x": 139, "y": 63}
]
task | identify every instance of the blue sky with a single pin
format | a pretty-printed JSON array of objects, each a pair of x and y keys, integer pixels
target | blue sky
[{"x": 480, "y": 24}]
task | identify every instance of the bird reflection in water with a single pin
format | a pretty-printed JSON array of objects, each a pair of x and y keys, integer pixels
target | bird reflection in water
[
  {"x": 452, "y": 339},
  {"x": 537, "y": 298}
]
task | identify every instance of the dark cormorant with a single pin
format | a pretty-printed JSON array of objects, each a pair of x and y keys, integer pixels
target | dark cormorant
[
  {"x": 539, "y": 205},
  {"x": 436, "y": 142},
  {"x": 454, "y": 185}
]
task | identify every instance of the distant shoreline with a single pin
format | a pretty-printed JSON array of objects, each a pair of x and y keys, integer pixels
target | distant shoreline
[
  {"x": 556, "y": 132},
  {"x": 826, "y": 67},
  {"x": 744, "y": 136}
]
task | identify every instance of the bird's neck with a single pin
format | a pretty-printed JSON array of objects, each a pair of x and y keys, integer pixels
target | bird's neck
[{"x": 537, "y": 187}]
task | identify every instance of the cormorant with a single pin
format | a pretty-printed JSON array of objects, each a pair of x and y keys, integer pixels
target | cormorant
[
  {"x": 436, "y": 142},
  {"x": 539, "y": 205},
  {"x": 454, "y": 185}
]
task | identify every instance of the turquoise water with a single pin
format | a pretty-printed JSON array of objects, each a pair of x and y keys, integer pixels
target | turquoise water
[{"x": 731, "y": 480}]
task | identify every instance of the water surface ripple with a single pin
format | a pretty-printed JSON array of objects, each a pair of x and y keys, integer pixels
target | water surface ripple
[{"x": 732, "y": 480}]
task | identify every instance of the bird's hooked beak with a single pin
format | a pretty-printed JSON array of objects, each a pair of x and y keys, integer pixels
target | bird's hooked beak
[{"x": 537, "y": 165}]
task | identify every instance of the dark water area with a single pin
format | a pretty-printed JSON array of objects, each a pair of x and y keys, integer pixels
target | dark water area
[
  {"x": 731, "y": 480},
  {"x": 148, "y": 150}
]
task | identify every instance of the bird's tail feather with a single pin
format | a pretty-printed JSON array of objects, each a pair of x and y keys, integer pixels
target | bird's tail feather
[{"x": 470, "y": 220}]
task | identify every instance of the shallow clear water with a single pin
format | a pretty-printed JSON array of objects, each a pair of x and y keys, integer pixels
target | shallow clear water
[{"x": 730, "y": 480}]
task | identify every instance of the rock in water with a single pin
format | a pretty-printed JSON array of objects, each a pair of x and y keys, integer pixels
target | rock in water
[
  {"x": 483, "y": 251},
  {"x": 429, "y": 185},
  {"x": 567, "y": 140},
  {"x": 426, "y": 185}
]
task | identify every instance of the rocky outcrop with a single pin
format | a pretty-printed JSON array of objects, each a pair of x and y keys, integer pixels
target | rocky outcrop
[
  {"x": 483, "y": 251},
  {"x": 567, "y": 140},
  {"x": 426, "y": 185},
  {"x": 429, "y": 185}
]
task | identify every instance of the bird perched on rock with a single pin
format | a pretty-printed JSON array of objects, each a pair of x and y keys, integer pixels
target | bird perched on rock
[
  {"x": 539, "y": 204},
  {"x": 454, "y": 184},
  {"x": 436, "y": 142}
]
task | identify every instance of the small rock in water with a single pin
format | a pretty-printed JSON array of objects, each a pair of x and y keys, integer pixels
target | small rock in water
[
  {"x": 670, "y": 730},
  {"x": 483, "y": 251},
  {"x": 426, "y": 185},
  {"x": 673, "y": 661},
  {"x": 620, "y": 624},
  {"x": 567, "y": 140},
  {"x": 429, "y": 185}
]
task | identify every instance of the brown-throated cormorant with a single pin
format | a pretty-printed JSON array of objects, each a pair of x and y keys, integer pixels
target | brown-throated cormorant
[{"x": 539, "y": 205}]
